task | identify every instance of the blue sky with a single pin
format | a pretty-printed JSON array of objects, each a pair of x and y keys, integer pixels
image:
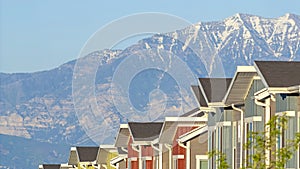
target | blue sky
[{"x": 40, "y": 35}]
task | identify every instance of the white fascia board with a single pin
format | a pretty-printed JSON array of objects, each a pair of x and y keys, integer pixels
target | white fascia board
[
  {"x": 275, "y": 90},
  {"x": 108, "y": 146},
  {"x": 207, "y": 109},
  {"x": 185, "y": 119},
  {"x": 73, "y": 149},
  {"x": 261, "y": 94},
  {"x": 216, "y": 104},
  {"x": 137, "y": 143},
  {"x": 123, "y": 126},
  {"x": 155, "y": 141},
  {"x": 294, "y": 89},
  {"x": 117, "y": 159},
  {"x": 187, "y": 136}
]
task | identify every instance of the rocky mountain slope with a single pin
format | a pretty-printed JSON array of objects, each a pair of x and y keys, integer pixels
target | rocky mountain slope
[{"x": 39, "y": 106}]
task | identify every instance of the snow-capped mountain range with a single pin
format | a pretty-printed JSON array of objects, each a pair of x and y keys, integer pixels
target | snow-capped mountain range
[{"x": 39, "y": 106}]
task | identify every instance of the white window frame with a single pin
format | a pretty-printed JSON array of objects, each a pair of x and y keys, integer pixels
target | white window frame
[
  {"x": 200, "y": 158},
  {"x": 175, "y": 160}
]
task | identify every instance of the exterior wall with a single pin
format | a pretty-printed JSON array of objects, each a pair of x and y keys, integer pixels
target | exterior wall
[
  {"x": 165, "y": 164},
  {"x": 109, "y": 157},
  {"x": 199, "y": 146},
  {"x": 289, "y": 103},
  {"x": 132, "y": 153},
  {"x": 122, "y": 165},
  {"x": 147, "y": 151}
]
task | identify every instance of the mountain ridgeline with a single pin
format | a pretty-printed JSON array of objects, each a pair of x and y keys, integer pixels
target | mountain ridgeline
[{"x": 39, "y": 106}]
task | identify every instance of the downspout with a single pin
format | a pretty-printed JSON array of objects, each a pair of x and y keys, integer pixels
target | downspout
[
  {"x": 267, "y": 119},
  {"x": 160, "y": 155},
  {"x": 140, "y": 155},
  {"x": 187, "y": 147},
  {"x": 169, "y": 147},
  {"x": 242, "y": 132}
]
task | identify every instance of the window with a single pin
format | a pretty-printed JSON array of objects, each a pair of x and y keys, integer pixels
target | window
[{"x": 201, "y": 162}]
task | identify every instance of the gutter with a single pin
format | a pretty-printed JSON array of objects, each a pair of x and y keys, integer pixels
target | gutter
[
  {"x": 242, "y": 132},
  {"x": 169, "y": 147}
]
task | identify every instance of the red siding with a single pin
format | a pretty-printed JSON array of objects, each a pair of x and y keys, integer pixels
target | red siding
[
  {"x": 131, "y": 152},
  {"x": 147, "y": 151},
  {"x": 177, "y": 150},
  {"x": 135, "y": 164},
  {"x": 149, "y": 164}
]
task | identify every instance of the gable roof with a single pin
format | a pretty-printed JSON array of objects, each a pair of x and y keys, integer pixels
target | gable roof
[
  {"x": 199, "y": 96},
  {"x": 73, "y": 159},
  {"x": 193, "y": 133},
  {"x": 145, "y": 131},
  {"x": 171, "y": 124},
  {"x": 86, "y": 154},
  {"x": 279, "y": 73},
  {"x": 239, "y": 85},
  {"x": 51, "y": 166},
  {"x": 105, "y": 152},
  {"x": 214, "y": 89},
  {"x": 122, "y": 136}
]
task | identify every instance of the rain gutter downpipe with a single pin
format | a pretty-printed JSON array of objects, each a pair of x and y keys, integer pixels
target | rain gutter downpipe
[{"x": 242, "y": 132}]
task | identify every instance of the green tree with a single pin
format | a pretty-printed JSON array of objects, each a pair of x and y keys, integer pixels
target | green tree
[
  {"x": 261, "y": 141},
  {"x": 266, "y": 140},
  {"x": 220, "y": 159}
]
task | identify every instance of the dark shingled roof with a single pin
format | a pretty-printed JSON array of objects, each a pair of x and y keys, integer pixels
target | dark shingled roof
[
  {"x": 51, "y": 166},
  {"x": 215, "y": 88},
  {"x": 87, "y": 153},
  {"x": 145, "y": 131},
  {"x": 279, "y": 73},
  {"x": 192, "y": 113},
  {"x": 198, "y": 94}
]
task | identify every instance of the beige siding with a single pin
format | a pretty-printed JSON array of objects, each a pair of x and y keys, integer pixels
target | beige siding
[
  {"x": 165, "y": 160},
  {"x": 199, "y": 146},
  {"x": 122, "y": 165}
]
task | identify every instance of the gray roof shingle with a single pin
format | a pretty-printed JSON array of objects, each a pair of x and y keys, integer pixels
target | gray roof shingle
[
  {"x": 215, "y": 88},
  {"x": 279, "y": 73},
  {"x": 87, "y": 153},
  {"x": 199, "y": 96},
  {"x": 145, "y": 131}
]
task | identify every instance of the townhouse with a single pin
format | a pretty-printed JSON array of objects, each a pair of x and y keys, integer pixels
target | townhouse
[
  {"x": 257, "y": 93},
  {"x": 176, "y": 153},
  {"x": 228, "y": 110}
]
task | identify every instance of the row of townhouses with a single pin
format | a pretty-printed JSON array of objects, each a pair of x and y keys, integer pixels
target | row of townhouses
[{"x": 229, "y": 109}]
